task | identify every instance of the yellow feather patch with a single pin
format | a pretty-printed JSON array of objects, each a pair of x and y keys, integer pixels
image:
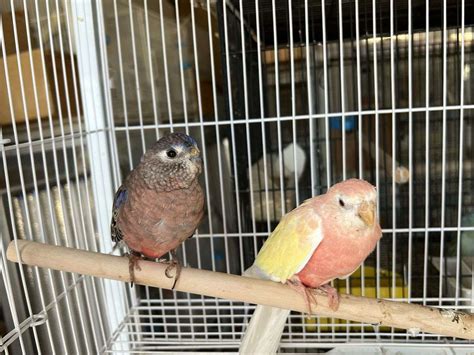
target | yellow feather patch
[{"x": 291, "y": 244}]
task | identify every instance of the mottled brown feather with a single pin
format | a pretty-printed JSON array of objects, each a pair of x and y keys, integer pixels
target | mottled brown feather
[{"x": 154, "y": 222}]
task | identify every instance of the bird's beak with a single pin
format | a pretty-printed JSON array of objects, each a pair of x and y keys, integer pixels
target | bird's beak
[
  {"x": 367, "y": 213},
  {"x": 195, "y": 152}
]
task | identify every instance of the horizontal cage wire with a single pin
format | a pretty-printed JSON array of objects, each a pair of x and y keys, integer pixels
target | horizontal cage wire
[{"x": 285, "y": 98}]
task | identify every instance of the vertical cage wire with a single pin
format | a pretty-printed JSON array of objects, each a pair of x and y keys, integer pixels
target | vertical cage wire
[
  {"x": 30, "y": 208},
  {"x": 285, "y": 99}
]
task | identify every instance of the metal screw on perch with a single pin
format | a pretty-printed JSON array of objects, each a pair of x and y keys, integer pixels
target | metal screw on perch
[{"x": 359, "y": 309}]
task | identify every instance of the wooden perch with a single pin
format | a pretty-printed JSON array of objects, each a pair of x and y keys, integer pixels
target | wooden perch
[{"x": 359, "y": 309}]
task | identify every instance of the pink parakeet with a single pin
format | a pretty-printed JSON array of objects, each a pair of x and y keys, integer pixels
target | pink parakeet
[{"x": 325, "y": 238}]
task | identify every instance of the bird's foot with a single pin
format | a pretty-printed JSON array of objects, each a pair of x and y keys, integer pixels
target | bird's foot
[
  {"x": 133, "y": 259},
  {"x": 307, "y": 293},
  {"x": 332, "y": 294},
  {"x": 173, "y": 264}
]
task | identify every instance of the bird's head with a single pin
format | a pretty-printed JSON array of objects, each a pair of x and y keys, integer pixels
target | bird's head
[
  {"x": 173, "y": 162},
  {"x": 355, "y": 201}
]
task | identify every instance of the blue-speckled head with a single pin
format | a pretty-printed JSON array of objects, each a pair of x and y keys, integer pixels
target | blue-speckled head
[
  {"x": 188, "y": 139},
  {"x": 175, "y": 139}
]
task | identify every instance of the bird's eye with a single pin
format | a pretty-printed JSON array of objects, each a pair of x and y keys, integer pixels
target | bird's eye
[
  {"x": 341, "y": 203},
  {"x": 171, "y": 153}
]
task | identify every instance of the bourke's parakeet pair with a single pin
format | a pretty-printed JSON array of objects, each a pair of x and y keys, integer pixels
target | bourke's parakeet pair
[
  {"x": 325, "y": 238},
  {"x": 160, "y": 203}
]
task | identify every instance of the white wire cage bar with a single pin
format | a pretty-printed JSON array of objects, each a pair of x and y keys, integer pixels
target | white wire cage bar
[{"x": 285, "y": 98}]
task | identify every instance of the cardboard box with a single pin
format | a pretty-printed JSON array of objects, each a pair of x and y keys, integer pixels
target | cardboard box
[
  {"x": 44, "y": 87},
  {"x": 9, "y": 34}
]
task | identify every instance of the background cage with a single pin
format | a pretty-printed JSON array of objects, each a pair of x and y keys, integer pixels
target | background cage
[{"x": 285, "y": 99}]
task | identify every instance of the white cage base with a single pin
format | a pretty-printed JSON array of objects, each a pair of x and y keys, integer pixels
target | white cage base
[{"x": 210, "y": 325}]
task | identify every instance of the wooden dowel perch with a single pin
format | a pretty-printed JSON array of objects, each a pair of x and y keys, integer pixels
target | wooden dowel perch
[{"x": 359, "y": 309}]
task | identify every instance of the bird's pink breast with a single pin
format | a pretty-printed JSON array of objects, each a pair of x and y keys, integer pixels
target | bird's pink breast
[{"x": 338, "y": 256}]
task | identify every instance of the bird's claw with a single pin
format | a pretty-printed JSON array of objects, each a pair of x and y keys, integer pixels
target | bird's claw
[
  {"x": 173, "y": 263},
  {"x": 309, "y": 296},
  {"x": 307, "y": 292},
  {"x": 132, "y": 265},
  {"x": 171, "y": 266},
  {"x": 333, "y": 296}
]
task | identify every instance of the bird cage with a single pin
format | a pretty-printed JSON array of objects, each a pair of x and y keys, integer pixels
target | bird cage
[{"x": 285, "y": 98}]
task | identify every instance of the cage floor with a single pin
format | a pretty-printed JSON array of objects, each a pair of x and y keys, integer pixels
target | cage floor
[{"x": 211, "y": 325}]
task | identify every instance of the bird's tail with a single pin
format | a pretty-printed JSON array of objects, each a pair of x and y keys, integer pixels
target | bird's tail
[
  {"x": 266, "y": 326},
  {"x": 264, "y": 331}
]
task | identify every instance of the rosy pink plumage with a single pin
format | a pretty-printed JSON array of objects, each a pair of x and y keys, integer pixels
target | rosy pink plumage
[
  {"x": 341, "y": 251},
  {"x": 326, "y": 237}
]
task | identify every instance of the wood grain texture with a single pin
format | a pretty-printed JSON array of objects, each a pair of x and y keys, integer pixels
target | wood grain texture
[{"x": 238, "y": 288}]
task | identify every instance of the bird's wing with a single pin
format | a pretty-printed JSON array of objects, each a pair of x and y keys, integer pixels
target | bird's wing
[
  {"x": 291, "y": 244},
  {"x": 119, "y": 199}
]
